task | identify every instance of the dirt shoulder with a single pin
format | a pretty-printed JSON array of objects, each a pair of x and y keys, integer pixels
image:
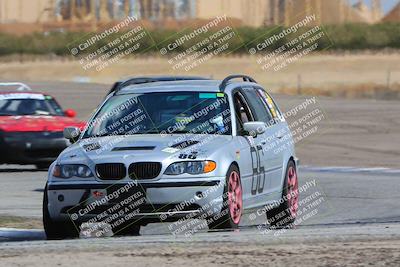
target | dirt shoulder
[
  {"x": 349, "y": 253},
  {"x": 20, "y": 222}
]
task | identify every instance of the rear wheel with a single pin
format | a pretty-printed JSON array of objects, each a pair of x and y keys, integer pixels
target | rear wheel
[
  {"x": 285, "y": 214},
  {"x": 232, "y": 202},
  {"x": 56, "y": 230}
]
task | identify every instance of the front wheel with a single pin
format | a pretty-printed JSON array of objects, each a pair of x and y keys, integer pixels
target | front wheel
[
  {"x": 127, "y": 230},
  {"x": 285, "y": 214},
  {"x": 56, "y": 230},
  {"x": 232, "y": 207}
]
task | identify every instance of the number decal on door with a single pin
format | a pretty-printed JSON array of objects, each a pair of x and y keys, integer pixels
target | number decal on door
[{"x": 258, "y": 178}]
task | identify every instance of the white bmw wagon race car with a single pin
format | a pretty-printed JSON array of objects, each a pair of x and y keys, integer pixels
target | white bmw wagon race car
[{"x": 174, "y": 148}]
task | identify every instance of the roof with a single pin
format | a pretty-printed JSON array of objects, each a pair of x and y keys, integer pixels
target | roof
[
  {"x": 166, "y": 78},
  {"x": 172, "y": 86},
  {"x": 20, "y": 91},
  {"x": 148, "y": 79},
  {"x": 180, "y": 83}
]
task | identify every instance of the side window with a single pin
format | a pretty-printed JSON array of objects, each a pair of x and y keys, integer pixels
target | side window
[
  {"x": 257, "y": 105},
  {"x": 270, "y": 104},
  {"x": 242, "y": 111}
]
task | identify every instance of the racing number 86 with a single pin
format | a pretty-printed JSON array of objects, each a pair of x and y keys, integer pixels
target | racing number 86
[{"x": 258, "y": 178}]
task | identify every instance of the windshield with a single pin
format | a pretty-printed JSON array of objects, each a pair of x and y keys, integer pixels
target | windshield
[
  {"x": 26, "y": 106},
  {"x": 165, "y": 113}
]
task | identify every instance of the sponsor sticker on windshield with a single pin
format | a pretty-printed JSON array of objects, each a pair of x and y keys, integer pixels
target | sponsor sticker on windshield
[{"x": 207, "y": 95}]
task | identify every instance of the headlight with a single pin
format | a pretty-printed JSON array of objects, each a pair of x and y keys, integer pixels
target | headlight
[
  {"x": 190, "y": 167},
  {"x": 72, "y": 170}
]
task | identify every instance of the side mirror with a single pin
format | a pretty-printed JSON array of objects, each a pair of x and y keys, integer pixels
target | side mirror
[
  {"x": 72, "y": 133},
  {"x": 70, "y": 113},
  {"x": 254, "y": 128}
]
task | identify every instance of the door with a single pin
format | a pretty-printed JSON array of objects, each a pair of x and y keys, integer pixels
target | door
[
  {"x": 278, "y": 134},
  {"x": 252, "y": 169},
  {"x": 267, "y": 144}
]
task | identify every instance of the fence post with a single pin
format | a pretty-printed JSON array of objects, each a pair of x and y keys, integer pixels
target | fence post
[
  {"x": 389, "y": 74},
  {"x": 299, "y": 84}
]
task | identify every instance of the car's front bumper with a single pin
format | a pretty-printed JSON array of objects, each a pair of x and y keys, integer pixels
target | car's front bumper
[
  {"x": 31, "y": 147},
  {"x": 164, "y": 200}
]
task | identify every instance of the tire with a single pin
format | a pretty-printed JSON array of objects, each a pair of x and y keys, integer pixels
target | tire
[
  {"x": 130, "y": 230},
  {"x": 232, "y": 208},
  {"x": 285, "y": 214},
  {"x": 56, "y": 230},
  {"x": 43, "y": 166},
  {"x": 3, "y": 156}
]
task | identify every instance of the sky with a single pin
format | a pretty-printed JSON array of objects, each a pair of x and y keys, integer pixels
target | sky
[{"x": 387, "y": 4}]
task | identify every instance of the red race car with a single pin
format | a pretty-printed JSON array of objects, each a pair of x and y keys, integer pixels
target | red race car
[{"x": 31, "y": 127}]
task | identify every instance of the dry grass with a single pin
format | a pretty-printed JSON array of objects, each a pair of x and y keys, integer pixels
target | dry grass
[
  {"x": 371, "y": 90},
  {"x": 364, "y": 75}
]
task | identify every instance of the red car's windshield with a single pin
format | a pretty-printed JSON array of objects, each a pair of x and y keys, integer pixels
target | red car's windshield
[{"x": 44, "y": 105}]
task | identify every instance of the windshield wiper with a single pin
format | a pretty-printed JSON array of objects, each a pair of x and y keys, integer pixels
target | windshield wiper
[
  {"x": 98, "y": 135},
  {"x": 180, "y": 132}
]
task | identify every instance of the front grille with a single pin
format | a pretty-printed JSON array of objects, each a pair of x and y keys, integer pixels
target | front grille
[
  {"x": 144, "y": 170},
  {"x": 111, "y": 171}
]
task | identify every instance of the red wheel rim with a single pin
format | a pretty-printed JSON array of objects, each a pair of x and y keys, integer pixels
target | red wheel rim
[
  {"x": 235, "y": 197},
  {"x": 293, "y": 192}
]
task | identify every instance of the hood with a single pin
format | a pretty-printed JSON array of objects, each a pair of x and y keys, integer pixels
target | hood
[
  {"x": 37, "y": 123},
  {"x": 148, "y": 147}
]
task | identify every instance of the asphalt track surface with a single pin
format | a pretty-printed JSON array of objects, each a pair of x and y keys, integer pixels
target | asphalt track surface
[
  {"x": 356, "y": 224},
  {"x": 333, "y": 198}
]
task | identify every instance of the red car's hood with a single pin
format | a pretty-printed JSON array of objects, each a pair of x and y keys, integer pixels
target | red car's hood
[{"x": 37, "y": 123}]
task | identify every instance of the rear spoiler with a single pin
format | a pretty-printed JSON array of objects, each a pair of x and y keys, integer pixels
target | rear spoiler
[{"x": 20, "y": 86}]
